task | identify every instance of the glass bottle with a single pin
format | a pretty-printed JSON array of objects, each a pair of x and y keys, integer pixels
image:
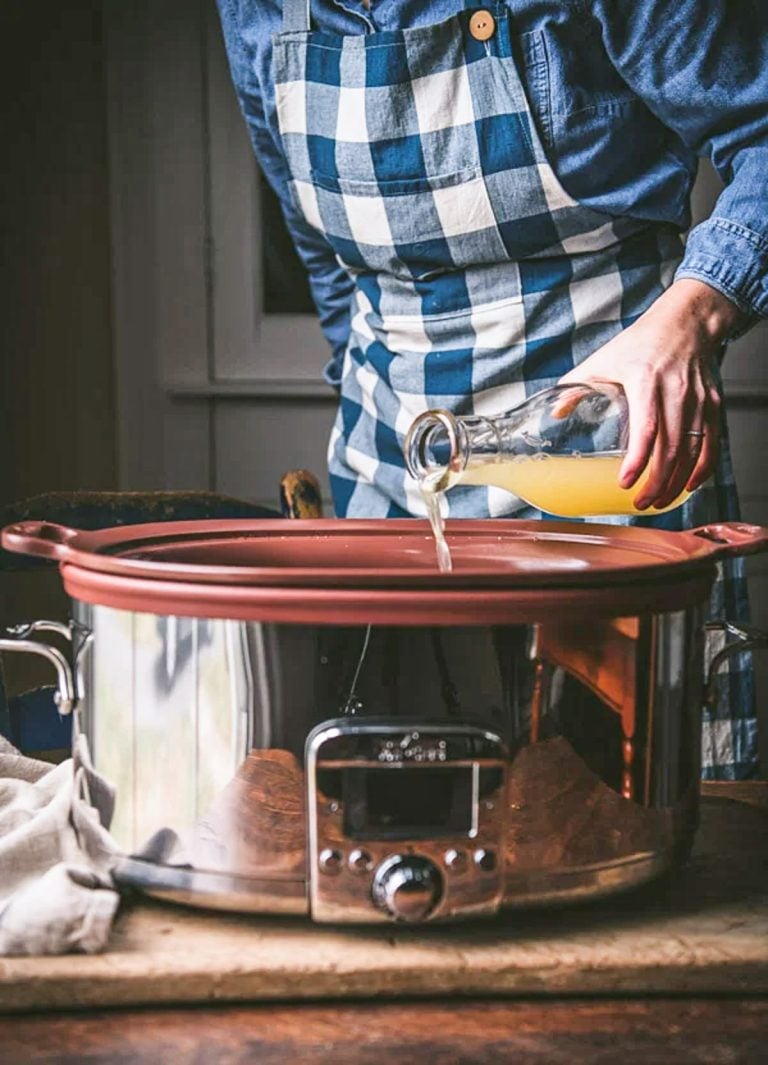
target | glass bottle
[{"x": 559, "y": 451}]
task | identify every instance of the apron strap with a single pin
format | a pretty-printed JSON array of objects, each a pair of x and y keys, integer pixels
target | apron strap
[{"x": 296, "y": 17}]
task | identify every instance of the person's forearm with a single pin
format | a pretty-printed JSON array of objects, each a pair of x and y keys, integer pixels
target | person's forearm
[{"x": 715, "y": 314}]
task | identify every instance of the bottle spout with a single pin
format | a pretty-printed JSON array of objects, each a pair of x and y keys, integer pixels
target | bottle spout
[{"x": 435, "y": 448}]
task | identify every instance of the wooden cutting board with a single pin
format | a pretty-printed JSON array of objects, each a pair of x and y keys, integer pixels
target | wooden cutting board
[{"x": 703, "y": 930}]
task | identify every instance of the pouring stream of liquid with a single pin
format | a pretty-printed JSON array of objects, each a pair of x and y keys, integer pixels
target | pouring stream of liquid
[{"x": 432, "y": 494}]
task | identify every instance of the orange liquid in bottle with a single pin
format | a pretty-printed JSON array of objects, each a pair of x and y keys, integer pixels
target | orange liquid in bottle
[{"x": 570, "y": 486}]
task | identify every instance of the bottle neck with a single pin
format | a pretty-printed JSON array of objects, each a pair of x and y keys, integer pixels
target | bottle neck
[{"x": 439, "y": 446}]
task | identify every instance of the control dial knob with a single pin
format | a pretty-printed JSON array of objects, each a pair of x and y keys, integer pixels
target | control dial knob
[{"x": 407, "y": 886}]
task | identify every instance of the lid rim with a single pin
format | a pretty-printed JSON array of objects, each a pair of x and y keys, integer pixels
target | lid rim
[
  {"x": 387, "y": 606},
  {"x": 651, "y": 554}
]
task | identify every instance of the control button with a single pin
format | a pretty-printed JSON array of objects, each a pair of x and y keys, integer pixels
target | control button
[
  {"x": 482, "y": 25},
  {"x": 408, "y": 887},
  {"x": 360, "y": 862},
  {"x": 456, "y": 860},
  {"x": 330, "y": 861},
  {"x": 485, "y": 860}
]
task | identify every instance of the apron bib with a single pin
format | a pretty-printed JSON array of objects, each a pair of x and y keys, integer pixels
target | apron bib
[{"x": 478, "y": 279}]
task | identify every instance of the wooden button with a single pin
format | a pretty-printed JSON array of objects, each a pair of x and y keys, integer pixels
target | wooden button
[{"x": 482, "y": 25}]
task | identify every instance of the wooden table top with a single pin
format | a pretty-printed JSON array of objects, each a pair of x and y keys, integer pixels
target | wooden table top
[
  {"x": 570, "y": 1031},
  {"x": 554, "y": 1023}
]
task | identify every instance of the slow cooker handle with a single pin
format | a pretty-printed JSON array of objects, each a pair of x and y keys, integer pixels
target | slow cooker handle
[
  {"x": 17, "y": 639},
  {"x": 732, "y": 538},
  {"x": 746, "y": 638},
  {"x": 40, "y": 539}
]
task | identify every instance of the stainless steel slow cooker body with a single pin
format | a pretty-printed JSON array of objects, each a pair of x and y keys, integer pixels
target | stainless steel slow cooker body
[
  {"x": 283, "y": 738},
  {"x": 587, "y": 785}
]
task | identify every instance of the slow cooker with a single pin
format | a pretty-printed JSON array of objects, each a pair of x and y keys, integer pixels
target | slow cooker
[{"x": 308, "y": 717}]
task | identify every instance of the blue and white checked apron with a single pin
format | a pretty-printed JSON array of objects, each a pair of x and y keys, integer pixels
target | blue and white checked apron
[{"x": 478, "y": 279}]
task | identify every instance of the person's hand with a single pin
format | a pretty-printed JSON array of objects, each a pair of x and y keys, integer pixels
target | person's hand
[{"x": 662, "y": 361}]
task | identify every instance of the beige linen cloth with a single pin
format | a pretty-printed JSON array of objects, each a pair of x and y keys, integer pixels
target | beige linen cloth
[{"x": 56, "y": 893}]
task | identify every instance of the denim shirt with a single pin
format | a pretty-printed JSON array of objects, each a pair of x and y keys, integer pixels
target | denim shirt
[{"x": 626, "y": 94}]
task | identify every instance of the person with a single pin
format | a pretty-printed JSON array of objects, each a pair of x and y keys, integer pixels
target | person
[{"x": 489, "y": 199}]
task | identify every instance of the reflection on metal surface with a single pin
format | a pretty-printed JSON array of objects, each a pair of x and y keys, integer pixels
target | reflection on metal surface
[
  {"x": 560, "y": 886},
  {"x": 201, "y": 726},
  {"x": 168, "y": 712},
  {"x": 353, "y": 704},
  {"x": 220, "y": 891},
  {"x": 82, "y": 644},
  {"x": 248, "y": 660}
]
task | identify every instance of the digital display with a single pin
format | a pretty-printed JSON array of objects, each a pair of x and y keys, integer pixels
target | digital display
[{"x": 406, "y": 802}]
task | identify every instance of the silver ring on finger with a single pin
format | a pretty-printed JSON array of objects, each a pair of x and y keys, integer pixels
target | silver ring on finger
[{"x": 697, "y": 433}]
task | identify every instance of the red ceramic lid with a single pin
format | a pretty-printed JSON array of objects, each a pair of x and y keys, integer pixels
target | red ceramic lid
[{"x": 319, "y": 570}]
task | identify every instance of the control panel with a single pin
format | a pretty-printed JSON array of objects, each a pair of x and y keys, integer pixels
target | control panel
[{"x": 406, "y": 820}]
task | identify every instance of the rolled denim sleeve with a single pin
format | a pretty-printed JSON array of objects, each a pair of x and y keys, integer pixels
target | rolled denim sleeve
[
  {"x": 330, "y": 284},
  {"x": 702, "y": 67}
]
